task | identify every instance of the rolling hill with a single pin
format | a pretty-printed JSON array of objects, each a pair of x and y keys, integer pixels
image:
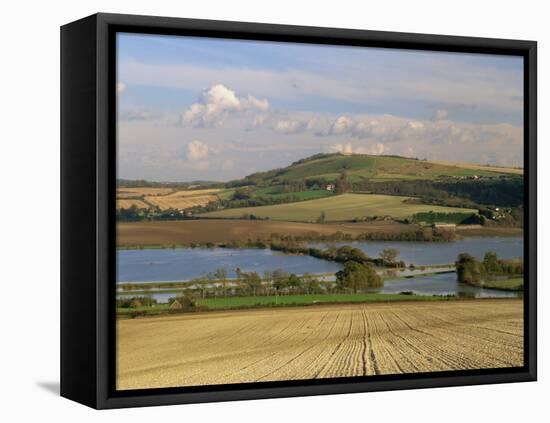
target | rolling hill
[{"x": 375, "y": 168}]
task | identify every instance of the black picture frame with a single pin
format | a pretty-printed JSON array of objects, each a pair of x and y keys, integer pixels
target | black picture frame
[{"x": 88, "y": 176}]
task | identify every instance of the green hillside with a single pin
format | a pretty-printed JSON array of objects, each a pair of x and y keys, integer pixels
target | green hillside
[{"x": 376, "y": 168}]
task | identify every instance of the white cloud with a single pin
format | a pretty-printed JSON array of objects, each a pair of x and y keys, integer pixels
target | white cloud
[
  {"x": 441, "y": 114},
  {"x": 342, "y": 125},
  {"x": 346, "y": 148},
  {"x": 444, "y": 82},
  {"x": 415, "y": 124},
  {"x": 349, "y": 148},
  {"x": 217, "y": 103},
  {"x": 375, "y": 149},
  {"x": 120, "y": 87},
  {"x": 289, "y": 126},
  {"x": 197, "y": 150}
]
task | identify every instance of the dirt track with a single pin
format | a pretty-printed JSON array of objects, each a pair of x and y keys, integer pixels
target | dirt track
[{"x": 318, "y": 342}]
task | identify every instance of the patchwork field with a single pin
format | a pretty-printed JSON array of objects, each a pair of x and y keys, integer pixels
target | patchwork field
[
  {"x": 193, "y": 193},
  {"x": 164, "y": 198},
  {"x": 318, "y": 342},
  {"x": 166, "y": 202},
  {"x": 339, "y": 208},
  {"x": 185, "y": 232},
  {"x": 126, "y": 203},
  {"x": 144, "y": 191}
]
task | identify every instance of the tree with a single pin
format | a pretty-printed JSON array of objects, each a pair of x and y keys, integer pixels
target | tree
[
  {"x": 221, "y": 275},
  {"x": 242, "y": 194},
  {"x": 294, "y": 281},
  {"x": 280, "y": 279},
  {"x": 186, "y": 302},
  {"x": 490, "y": 261},
  {"x": 356, "y": 276},
  {"x": 468, "y": 269},
  {"x": 311, "y": 283},
  {"x": 252, "y": 281},
  {"x": 268, "y": 278},
  {"x": 321, "y": 218},
  {"x": 347, "y": 253},
  {"x": 342, "y": 184},
  {"x": 389, "y": 255}
]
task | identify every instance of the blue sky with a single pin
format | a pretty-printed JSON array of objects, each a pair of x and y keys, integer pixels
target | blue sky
[{"x": 197, "y": 108}]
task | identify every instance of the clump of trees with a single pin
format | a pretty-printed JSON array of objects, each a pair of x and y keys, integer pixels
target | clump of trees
[
  {"x": 135, "y": 302},
  {"x": 457, "y": 218},
  {"x": 389, "y": 258},
  {"x": 418, "y": 235},
  {"x": 182, "y": 303},
  {"x": 357, "y": 276},
  {"x": 474, "y": 272},
  {"x": 338, "y": 254},
  {"x": 503, "y": 191},
  {"x": 342, "y": 184}
]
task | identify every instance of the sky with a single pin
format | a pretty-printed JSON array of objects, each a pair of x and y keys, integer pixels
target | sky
[{"x": 215, "y": 109}]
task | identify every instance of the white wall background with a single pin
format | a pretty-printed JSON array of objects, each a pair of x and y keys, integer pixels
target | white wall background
[{"x": 29, "y": 212}]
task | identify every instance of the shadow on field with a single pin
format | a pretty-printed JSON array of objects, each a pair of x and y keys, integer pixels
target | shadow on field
[{"x": 51, "y": 387}]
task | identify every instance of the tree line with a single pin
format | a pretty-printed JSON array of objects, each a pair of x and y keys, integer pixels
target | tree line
[{"x": 474, "y": 272}]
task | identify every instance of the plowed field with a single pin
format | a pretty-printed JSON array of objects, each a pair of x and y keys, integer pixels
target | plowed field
[{"x": 318, "y": 342}]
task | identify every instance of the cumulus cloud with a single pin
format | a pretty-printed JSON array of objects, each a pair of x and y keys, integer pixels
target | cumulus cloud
[
  {"x": 289, "y": 126},
  {"x": 217, "y": 103},
  {"x": 414, "y": 124},
  {"x": 376, "y": 149},
  {"x": 197, "y": 150},
  {"x": 346, "y": 148},
  {"x": 350, "y": 148},
  {"x": 342, "y": 125}
]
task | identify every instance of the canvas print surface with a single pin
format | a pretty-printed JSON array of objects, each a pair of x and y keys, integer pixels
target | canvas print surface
[{"x": 298, "y": 211}]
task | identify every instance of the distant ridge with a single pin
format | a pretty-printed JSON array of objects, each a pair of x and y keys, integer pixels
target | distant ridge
[{"x": 328, "y": 167}]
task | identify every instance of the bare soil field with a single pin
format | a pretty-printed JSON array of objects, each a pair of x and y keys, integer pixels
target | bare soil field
[
  {"x": 185, "y": 232},
  {"x": 318, "y": 342}
]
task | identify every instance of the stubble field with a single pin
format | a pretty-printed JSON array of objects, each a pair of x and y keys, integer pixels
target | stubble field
[
  {"x": 339, "y": 208},
  {"x": 166, "y": 202},
  {"x": 126, "y": 203},
  {"x": 318, "y": 342}
]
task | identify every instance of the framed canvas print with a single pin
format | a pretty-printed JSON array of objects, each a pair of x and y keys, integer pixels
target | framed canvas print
[{"x": 255, "y": 211}]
